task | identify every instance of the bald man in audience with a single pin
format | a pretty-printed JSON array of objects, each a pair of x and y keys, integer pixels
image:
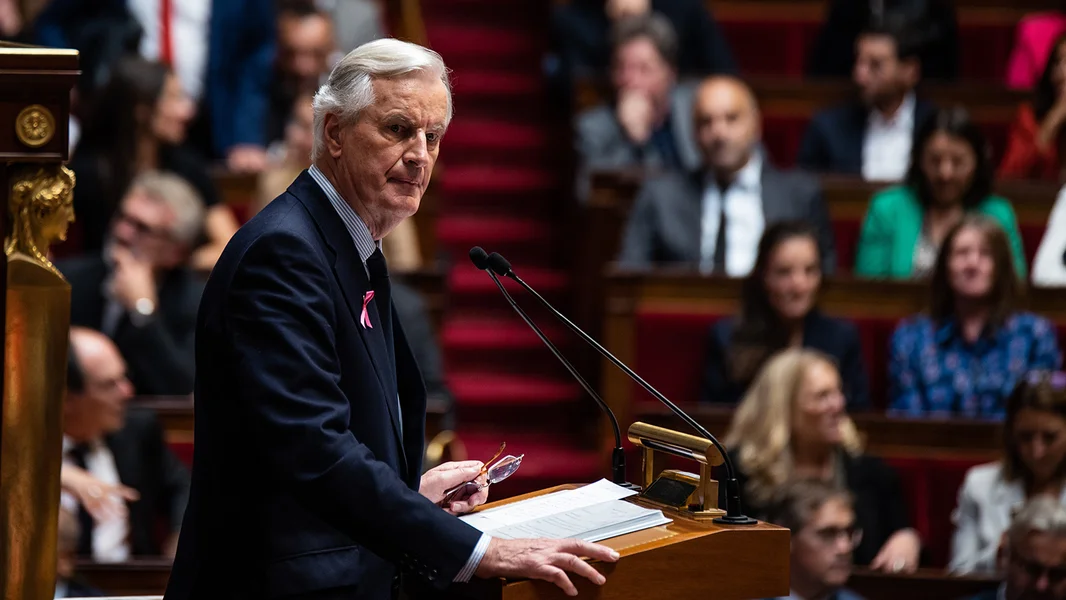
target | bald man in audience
[
  {"x": 712, "y": 219},
  {"x": 1035, "y": 554},
  {"x": 119, "y": 475}
]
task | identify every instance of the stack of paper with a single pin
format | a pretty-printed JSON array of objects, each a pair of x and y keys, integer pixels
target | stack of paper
[{"x": 592, "y": 513}]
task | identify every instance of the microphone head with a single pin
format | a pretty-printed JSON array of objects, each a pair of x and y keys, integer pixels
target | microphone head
[
  {"x": 499, "y": 264},
  {"x": 479, "y": 257}
]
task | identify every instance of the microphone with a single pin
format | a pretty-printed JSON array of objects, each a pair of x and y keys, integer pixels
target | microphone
[
  {"x": 618, "y": 455},
  {"x": 734, "y": 514}
]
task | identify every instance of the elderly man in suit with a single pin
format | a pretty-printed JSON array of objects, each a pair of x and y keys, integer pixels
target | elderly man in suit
[
  {"x": 713, "y": 218},
  {"x": 310, "y": 409},
  {"x": 649, "y": 123},
  {"x": 821, "y": 519},
  {"x": 1035, "y": 554}
]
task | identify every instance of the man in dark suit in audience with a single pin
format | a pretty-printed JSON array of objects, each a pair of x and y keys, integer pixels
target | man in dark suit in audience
[
  {"x": 821, "y": 519},
  {"x": 677, "y": 216},
  {"x": 139, "y": 291},
  {"x": 119, "y": 450},
  {"x": 1035, "y": 554},
  {"x": 871, "y": 135},
  {"x": 649, "y": 121},
  {"x": 310, "y": 409}
]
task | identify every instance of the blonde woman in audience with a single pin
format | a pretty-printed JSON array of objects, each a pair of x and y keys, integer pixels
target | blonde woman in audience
[
  {"x": 964, "y": 357},
  {"x": 950, "y": 176},
  {"x": 792, "y": 425},
  {"x": 293, "y": 155},
  {"x": 1033, "y": 464}
]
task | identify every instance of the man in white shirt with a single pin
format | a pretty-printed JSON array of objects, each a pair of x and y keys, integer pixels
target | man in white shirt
[
  {"x": 872, "y": 135},
  {"x": 713, "y": 219},
  {"x": 822, "y": 521},
  {"x": 120, "y": 451}
]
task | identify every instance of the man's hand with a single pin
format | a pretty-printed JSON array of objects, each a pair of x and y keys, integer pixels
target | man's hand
[
  {"x": 102, "y": 501},
  {"x": 620, "y": 9},
  {"x": 440, "y": 479},
  {"x": 899, "y": 554},
  {"x": 246, "y": 158},
  {"x": 544, "y": 559},
  {"x": 132, "y": 279},
  {"x": 635, "y": 114}
]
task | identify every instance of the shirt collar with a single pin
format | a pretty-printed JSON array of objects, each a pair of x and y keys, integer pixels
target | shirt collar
[
  {"x": 948, "y": 330},
  {"x": 748, "y": 178},
  {"x": 364, "y": 242},
  {"x": 904, "y": 116}
]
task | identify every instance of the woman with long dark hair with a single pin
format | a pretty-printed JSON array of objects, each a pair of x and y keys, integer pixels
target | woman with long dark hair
[
  {"x": 965, "y": 355},
  {"x": 778, "y": 310},
  {"x": 950, "y": 176},
  {"x": 138, "y": 123},
  {"x": 1036, "y": 137}
]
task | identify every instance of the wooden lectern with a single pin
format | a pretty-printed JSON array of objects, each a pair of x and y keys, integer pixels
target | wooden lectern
[{"x": 692, "y": 557}]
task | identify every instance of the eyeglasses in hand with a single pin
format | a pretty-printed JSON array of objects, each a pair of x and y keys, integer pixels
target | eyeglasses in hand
[{"x": 494, "y": 471}]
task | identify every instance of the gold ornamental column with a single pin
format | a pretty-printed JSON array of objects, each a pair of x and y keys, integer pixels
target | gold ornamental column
[{"x": 35, "y": 86}]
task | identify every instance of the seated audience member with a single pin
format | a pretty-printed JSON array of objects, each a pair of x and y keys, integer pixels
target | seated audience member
[
  {"x": 822, "y": 522},
  {"x": 138, "y": 124},
  {"x": 139, "y": 290},
  {"x": 949, "y": 177},
  {"x": 306, "y": 50},
  {"x": 792, "y": 425},
  {"x": 713, "y": 219},
  {"x": 833, "y": 53},
  {"x": 871, "y": 135},
  {"x": 1033, "y": 465},
  {"x": 964, "y": 357},
  {"x": 67, "y": 584},
  {"x": 650, "y": 123},
  {"x": 1035, "y": 554},
  {"x": 778, "y": 310},
  {"x": 1034, "y": 39},
  {"x": 1036, "y": 136},
  {"x": 118, "y": 447},
  {"x": 1049, "y": 264},
  {"x": 581, "y": 30}
]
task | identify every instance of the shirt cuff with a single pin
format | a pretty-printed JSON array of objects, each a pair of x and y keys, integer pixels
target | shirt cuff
[{"x": 475, "y": 559}]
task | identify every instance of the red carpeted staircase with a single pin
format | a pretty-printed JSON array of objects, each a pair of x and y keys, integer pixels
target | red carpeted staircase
[{"x": 503, "y": 185}]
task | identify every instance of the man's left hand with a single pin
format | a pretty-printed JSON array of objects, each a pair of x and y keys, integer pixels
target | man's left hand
[{"x": 438, "y": 480}]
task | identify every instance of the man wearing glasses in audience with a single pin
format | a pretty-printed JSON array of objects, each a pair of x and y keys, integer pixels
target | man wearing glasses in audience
[
  {"x": 822, "y": 521},
  {"x": 1035, "y": 554},
  {"x": 140, "y": 291}
]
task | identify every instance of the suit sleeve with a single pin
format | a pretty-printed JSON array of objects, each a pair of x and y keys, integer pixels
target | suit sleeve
[
  {"x": 167, "y": 353},
  {"x": 892, "y": 506},
  {"x": 873, "y": 255},
  {"x": 638, "y": 239},
  {"x": 965, "y": 541},
  {"x": 819, "y": 218},
  {"x": 853, "y": 371},
  {"x": 173, "y": 474},
  {"x": 280, "y": 317}
]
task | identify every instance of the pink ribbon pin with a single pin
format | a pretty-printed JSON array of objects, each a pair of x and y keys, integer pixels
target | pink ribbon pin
[{"x": 364, "y": 318}]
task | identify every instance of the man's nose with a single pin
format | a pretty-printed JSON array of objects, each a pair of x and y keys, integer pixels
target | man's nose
[{"x": 417, "y": 152}]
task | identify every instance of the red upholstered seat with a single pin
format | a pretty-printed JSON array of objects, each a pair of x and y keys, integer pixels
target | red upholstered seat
[
  {"x": 1031, "y": 236},
  {"x": 913, "y": 475},
  {"x": 875, "y": 333},
  {"x": 671, "y": 348},
  {"x": 945, "y": 476},
  {"x": 846, "y": 235}
]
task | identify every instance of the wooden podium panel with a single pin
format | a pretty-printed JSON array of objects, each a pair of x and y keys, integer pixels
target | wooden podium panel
[{"x": 684, "y": 559}]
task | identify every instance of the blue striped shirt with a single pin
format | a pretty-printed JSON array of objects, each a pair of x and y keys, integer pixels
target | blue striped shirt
[{"x": 366, "y": 245}]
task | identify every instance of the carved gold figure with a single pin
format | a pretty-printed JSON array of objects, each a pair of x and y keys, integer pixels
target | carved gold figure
[{"x": 35, "y": 353}]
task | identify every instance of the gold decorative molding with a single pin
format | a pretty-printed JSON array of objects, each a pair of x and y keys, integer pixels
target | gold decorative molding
[
  {"x": 35, "y": 126},
  {"x": 41, "y": 205}
]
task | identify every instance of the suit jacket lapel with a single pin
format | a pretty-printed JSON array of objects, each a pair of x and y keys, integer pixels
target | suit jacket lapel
[{"x": 350, "y": 273}]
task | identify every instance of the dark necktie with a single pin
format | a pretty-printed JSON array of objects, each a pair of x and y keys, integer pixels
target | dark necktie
[
  {"x": 85, "y": 521},
  {"x": 718, "y": 262},
  {"x": 379, "y": 282}
]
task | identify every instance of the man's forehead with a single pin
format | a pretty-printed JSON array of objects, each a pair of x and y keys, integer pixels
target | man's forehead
[
  {"x": 420, "y": 97},
  {"x": 833, "y": 512}
]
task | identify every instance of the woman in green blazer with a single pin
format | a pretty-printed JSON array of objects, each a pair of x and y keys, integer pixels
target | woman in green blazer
[{"x": 950, "y": 175}]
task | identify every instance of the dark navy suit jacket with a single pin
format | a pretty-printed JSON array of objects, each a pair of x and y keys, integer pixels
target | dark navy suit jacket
[
  {"x": 240, "y": 61},
  {"x": 834, "y": 137},
  {"x": 301, "y": 482},
  {"x": 835, "y": 337}
]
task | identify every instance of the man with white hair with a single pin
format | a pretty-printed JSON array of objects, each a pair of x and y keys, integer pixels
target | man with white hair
[
  {"x": 1035, "y": 554},
  {"x": 309, "y": 405}
]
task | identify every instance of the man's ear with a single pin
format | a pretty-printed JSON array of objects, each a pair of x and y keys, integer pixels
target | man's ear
[{"x": 333, "y": 134}]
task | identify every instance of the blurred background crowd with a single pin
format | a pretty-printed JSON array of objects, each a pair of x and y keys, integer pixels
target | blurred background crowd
[{"x": 834, "y": 228}]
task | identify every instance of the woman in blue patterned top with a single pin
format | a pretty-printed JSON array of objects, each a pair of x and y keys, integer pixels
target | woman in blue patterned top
[{"x": 966, "y": 355}]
